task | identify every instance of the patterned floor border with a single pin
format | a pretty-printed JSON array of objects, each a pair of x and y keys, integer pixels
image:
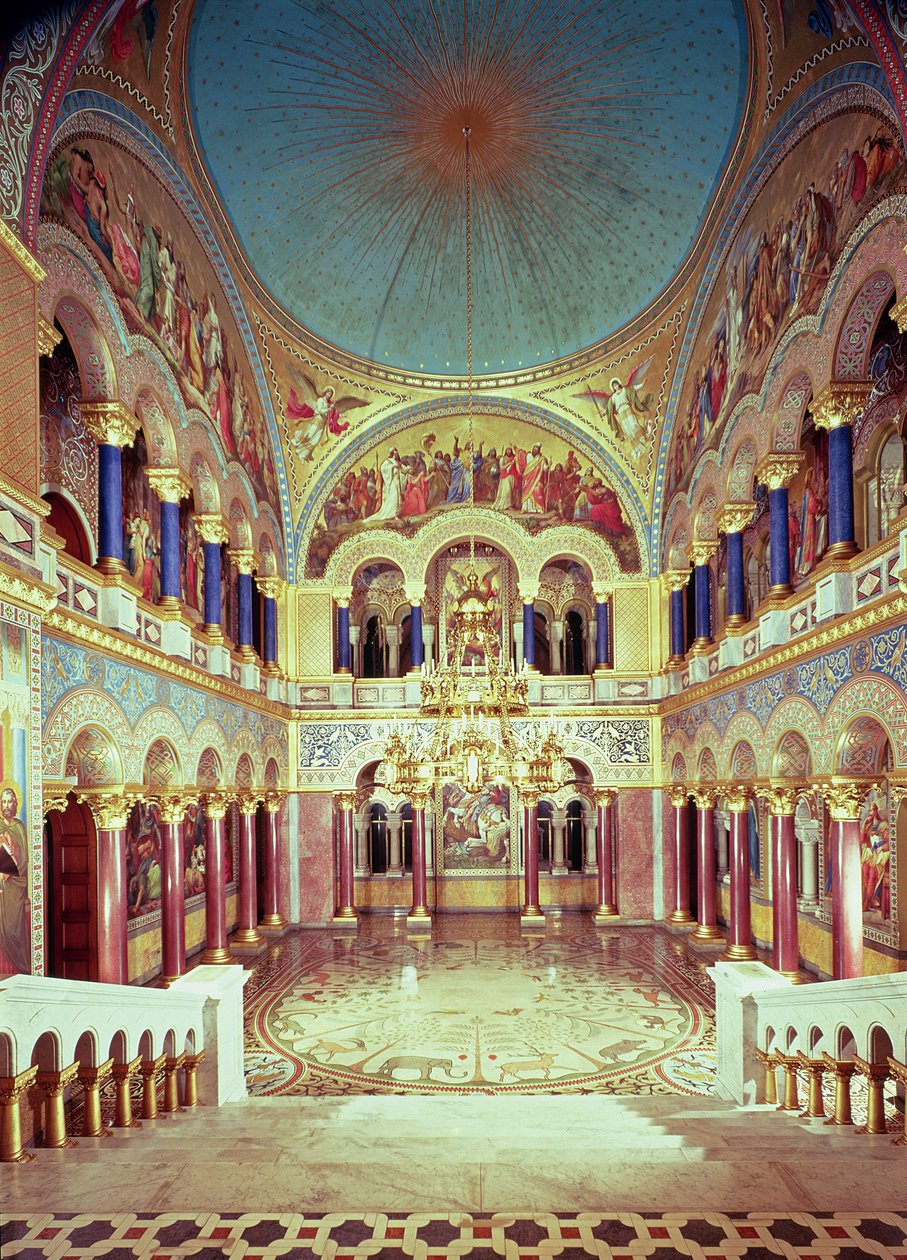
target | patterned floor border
[{"x": 621, "y": 1235}]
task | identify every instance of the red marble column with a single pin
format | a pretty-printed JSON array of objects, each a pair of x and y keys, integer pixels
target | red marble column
[
  {"x": 740, "y": 944},
  {"x": 785, "y": 945},
  {"x": 215, "y": 882},
  {"x": 111, "y": 813},
  {"x": 844, "y": 799},
  {"x": 247, "y": 933},
  {"x": 531, "y": 908},
  {"x": 604, "y": 851},
  {"x": 707, "y": 929},
  {"x": 681, "y": 915},
  {"x": 419, "y": 912},
  {"x": 173, "y": 892},
  {"x": 345, "y": 913},
  {"x": 272, "y": 920}
]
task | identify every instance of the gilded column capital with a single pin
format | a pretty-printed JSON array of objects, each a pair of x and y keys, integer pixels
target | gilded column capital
[
  {"x": 48, "y": 337},
  {"x": 110, "y": 422},
  {"x": 94, "y": 1075},
  {"x": 243, "y": 558},
  {"x": 782, "y": 799},
  {"x": 248, "y": 801},
  {"x": 270, "y": 587},
  {"x": 420, "y": 800},
  {"x": 272, "y": 802},
  {"x": 705, "y": 798},
  {"x": 54, "y": 1083},
  {"x": 734, "y": 517},
  {"x": 603, "y": 797},
  {"x": 737, "y": 796},
  {"x": 676, "y": 579},
  {"x": 169, "y": 484},
  {"x": 899, "y": 313},
  {"x": 55, "y": 795},
  {"x": 342, "y": 600},
  {"x": 110, "y": 806},
  {"x": 844, "y": 797},
  {"x": 777, "y": 469},
  {"x": 211, "y": 527},
  {"x": 172, "y": 808},
  {"x": 602, "y": 591},
  {"x": 346, "y": 801},
  {"x": 216, "y": 803},
  {"x": 12, "y": 1087},
  {"x": 679, "y": 794},
  {"x": 840, "y": 402},
  {"x": 415, "y": 595},
  {"x": 702, "y": 550},
  {"x": 529, "y": 797}
]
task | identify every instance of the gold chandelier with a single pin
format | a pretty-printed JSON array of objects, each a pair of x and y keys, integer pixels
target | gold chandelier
[{"x": 474, "y": 726}]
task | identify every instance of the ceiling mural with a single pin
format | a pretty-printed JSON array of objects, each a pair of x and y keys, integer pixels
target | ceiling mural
[
  {"x": 333, "y": 137},
  {"x": 518, "y": 469}
]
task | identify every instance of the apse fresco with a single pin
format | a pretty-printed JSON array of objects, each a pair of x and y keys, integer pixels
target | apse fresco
[
  {"x": 521, "y": 471},
  {"x": 165, "y": 286},
  {"x": 15, "y": 875},
  {"x": 475, "y": 827},
  {"x": 799, "y": 33},
  {"x": 777, "y": 269}
]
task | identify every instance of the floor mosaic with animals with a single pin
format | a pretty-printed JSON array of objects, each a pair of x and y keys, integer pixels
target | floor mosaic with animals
[{"x": 480, "y": 1008}]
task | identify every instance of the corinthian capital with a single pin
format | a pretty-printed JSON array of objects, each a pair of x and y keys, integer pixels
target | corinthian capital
[
  {"x": 676, "y": 579},
  {"x": 211, "y": 527},
  {"x": 48, "y": 337},
  {"x": 841, "y": 402},
  {"x": 169, "y": 484},
  {"x": 734, "y": 517},
  {"x": 844, "y": 797},
  {"x": 782, "y": 799},
  {"x": 109, "y": 422},
  {"x": 777, "y": 469},
  {"x": 243, "y": 558},
  {"x": 110, "y": 805},
  {"x": 702, "y": 550},
  {"x": 270, "y": 587}
]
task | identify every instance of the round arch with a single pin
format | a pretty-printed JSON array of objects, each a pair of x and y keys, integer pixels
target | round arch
[{"x": 92, "y": 758}]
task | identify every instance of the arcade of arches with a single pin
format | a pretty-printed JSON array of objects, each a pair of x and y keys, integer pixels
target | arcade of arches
[{"x": 238, "y": 495}]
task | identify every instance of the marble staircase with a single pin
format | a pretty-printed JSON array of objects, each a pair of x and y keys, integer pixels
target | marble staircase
[{"x": 496, "y": 1154}]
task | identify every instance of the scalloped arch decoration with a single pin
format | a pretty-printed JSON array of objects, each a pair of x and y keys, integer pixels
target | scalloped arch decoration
[
  {"x": 92, "y": 758},
  {"x": 874, "y": 697},
  {"x": 707, "y": 770},
  {"x": 158, "y": 427},
  {"x": 162, "y": 766},
  {"x": 678, "y": 767},
  {"x": 743, "y": 761},
  {"x": 85, "y": 706},
  {"x": 96, "y": 370},
  {"x": 244, "y": 774},
  {"x": 851, "y": 359},
  {"x": 862, "y": 746},
  {"x": 792, "y": 759},
  {"x": 210, "y": 770},
  {"x": 207, "y": 494},
  {"x": 272, "y": 773}
]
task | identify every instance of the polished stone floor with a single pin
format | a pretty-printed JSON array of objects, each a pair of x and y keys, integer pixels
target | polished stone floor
[{"x": 481, "y": 1008}]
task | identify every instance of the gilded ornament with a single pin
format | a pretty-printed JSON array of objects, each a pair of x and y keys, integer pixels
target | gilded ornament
[
  {"x": 22, "y": 254},
  {"x": 734, "y": 517},
  {"x": 603, "y": 797},
  {"x": 270, "y": 587},
  {"x": 676, "y": 579},
  {"x": 110, "y": 805},
  {"x": 30, "y": 592},
  {"x": 55, "y": 795},
  {"x": 211, "y": 527},
  {"x": 899, "y": 314},
  {"x": 109, "y": 422},
  {"x": 272, "y": 802},
  {"x": 841, "y": 402},
  {"x": 216, "y": 803},
  {"x": 705, "y": 798},
  {"x": 844, "y": 797},
  {"x": 171, "y": 485},
  {"x": 782, "y": 799},
  {"x": 777, "y": 469},
  {"x": 737, "y": 797},
  {"x": 346, "y": 801},
  {"x": 243, "y": 558},
  {"x": 23, "y": 497},
  {"x": 602, "y": 592},
  {"x": 702, "y": 550},
  {"x": 48, "y": 337}
]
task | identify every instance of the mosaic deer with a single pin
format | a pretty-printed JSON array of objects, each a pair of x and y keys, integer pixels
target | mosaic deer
[{"x": 542, "y": 1064}]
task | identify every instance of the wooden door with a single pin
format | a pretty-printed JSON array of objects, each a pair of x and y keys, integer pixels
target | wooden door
[{"x": 72, "y": 917}]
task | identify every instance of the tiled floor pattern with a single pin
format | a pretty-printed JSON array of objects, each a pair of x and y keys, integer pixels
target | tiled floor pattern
[
  {"x": 623, "y": 1236},
  {"x": 480, "y": 1008}
]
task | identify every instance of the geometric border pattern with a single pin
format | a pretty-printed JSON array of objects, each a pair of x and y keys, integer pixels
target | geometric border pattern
[{"x": 621, "y": 1235}]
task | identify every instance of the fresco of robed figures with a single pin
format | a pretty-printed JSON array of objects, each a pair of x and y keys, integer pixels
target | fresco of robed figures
[
  {"x": 166, "y": 288},
  {"x": 875, "y": 858},
  {"x": 15, "y": 879},
  {"x": 522, "y": 471},
  {"x": 491, "y": 579},
  {"x": 141, "y": 520},
  {"x": 144, "y": 834},
  {"x": 777, "y": 270},
  {"x": 476, "y": 827}
]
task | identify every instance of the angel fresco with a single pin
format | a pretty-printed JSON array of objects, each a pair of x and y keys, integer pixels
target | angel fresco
[
  {"x": 625, "y": 408},
  {"x": 323, "y": 414}
]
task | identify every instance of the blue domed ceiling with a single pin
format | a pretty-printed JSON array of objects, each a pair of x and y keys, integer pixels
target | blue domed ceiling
[{"x": 333, "y": 135}]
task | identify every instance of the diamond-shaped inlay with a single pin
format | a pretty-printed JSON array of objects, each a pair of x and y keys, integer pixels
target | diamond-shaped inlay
[
  {"x": 869, "y": 584},
  {"x": 799, "y": 621},
  {"x": 894, "y": 566},
  {"x": 85, "y": 599},
  {"x": 749, "y": 646},
  {"x": 12, "y": 529},
  {"x": 152, "y": 632},
  {"x": 632, "y": 688}
]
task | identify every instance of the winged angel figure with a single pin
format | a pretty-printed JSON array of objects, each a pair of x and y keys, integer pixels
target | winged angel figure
[
  {"x": 626, "y": 408},
  {"x": 323, "y": 414}
]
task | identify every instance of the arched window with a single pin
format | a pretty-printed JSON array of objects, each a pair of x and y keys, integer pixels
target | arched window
[
  {"x": 885, "y": 490},
  {"x": 65, "y": 520},
  {"x": 377, "y": 838},
  {"x": 574, "y": 643},
  {"x": 374, "y": 648},
  {"x": 576, "y": 835}
]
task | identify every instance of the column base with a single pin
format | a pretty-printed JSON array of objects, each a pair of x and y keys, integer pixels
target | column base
[
  {"x": 247, "y": 941},
  {"x": 414, "y": 671},
  {"x": 395, "y": 872},
  {"x": 169, "y": 603},
  {"x": 164, "y": 982},
  {"x": 681, "y": 918},
  {"x": 418, "y": 921},
  {"x": 604, "y": 914},
  {"x": 343, "y": 669},
  {"x": 273, "y": 925},
  {"x": 111, "y": 566},
  {"x": 213, "y": 633},
  {"x": 780, "y": 590},
  {"x": 707, "y": 934},
  {"x": 735, "y": 621},
  {"x": 675, "y": 662},
  {"x": 740, "y": 953},
  {"x": 246, "y": 653},
  {"x": 795, "y": 977},
  {"x": 530, "y": 667},
  {"x": 215, "y": 956},
  {"x": 532, "y": 917},
  {"x": 841, "y": 550},
  {"x": 560, "y": 870},
  {"x": 702, "y": 646},
  {"x": 602, "y": 667},
  {"x": 346, "y": 917}
]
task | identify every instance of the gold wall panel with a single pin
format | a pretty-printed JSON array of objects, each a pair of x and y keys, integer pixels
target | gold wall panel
[
  {"x": 631, "y": 629},
  {"x": 314, "y": 634}
]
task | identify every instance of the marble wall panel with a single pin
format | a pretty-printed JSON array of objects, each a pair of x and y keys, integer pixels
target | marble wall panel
[
  {"x": 635, "y": 855},
  {"x": 316, "y": 859}
]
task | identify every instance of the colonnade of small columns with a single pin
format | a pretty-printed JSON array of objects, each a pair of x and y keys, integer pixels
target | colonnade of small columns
[
  {"x": 843, "y": 798},
  {"x": 836, "y": 410},
  {"x": 114, "y": 427},
  {"x": 423, "y": 635},
  {"x": 169, "y": 1085},
  {"x": 111, "y": 807},
  {"x": 351, "y": 854}
]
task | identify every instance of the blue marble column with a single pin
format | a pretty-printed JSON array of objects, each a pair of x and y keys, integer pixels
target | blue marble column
[
  {"x": 212, "y": 531},
  {"x": 170, "y": 485},
  {"x": 268, "y": 587},
  {"x": 417, "y": 647},
  {"x": 343, "y": 636},
  {"x": 732, "y": 521},
  {"x": 678, "y": 627},
  {"x": 702, "y": 595},
  {"x": 602, "y": 634},
  {"x": 776, "y": 471},
  {"x": 529, "y": 634},
  {"x": 835, "y": 409},
  {"x": 113, "y": 427},
  {"x": 244, "y": 560}
]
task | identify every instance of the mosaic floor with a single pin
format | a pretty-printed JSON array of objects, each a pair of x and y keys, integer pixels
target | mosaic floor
[
  {"x": 479, "y": 1009},
  {"x": 626, "y": 1235}
]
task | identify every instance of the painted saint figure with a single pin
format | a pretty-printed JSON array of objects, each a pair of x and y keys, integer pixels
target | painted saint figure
[{"x": 14, "y": 907}]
